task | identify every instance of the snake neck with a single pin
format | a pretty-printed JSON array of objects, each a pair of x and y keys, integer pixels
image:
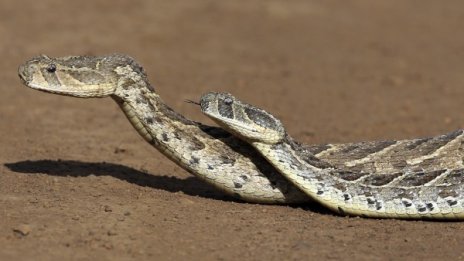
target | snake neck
[{"x": 150, "y": 116}]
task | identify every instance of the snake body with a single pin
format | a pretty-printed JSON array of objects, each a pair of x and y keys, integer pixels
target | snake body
[
  {"x": 401, "y": 179},
  {"x": 418, "y": 178},
  {"x": 210, "y": 153}
]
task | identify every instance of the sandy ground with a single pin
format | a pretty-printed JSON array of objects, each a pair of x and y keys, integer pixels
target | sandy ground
[{"x": 78, "y": 183}]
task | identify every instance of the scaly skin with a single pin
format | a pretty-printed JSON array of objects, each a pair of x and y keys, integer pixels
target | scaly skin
[
  {"x": 210, "y": 153},
  {"x": 426, "y": 179}
]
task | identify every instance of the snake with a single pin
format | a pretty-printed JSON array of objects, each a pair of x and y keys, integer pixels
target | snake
[
  {"x": 208, "y": 152},
  {"x": 401, "y": 179},
  {"x": 419, "y": 178}
]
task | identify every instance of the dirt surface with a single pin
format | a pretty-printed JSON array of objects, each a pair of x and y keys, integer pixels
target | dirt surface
[{"x": 78, "y": 183}]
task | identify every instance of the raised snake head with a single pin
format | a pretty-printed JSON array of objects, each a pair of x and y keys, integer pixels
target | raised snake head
[
  {"x": 79, "y": 76},
  {"x": 242, "y": 119}
]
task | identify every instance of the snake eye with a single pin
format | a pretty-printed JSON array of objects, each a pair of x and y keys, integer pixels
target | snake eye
[
  {"x": 228, "y": 101},
  {"x": 51, "y": 68}
]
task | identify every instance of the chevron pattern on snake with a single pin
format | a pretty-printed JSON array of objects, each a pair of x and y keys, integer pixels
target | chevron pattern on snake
[{"x": 418, "y": 178}]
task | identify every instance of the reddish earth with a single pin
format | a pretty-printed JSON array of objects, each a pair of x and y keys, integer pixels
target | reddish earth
[{"x": 78, "y": 183}]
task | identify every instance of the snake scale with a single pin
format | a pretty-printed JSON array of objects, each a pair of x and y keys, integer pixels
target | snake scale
[{"x": 420, "y": 178}]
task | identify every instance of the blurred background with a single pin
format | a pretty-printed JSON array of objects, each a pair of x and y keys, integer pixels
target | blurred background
[{"x": 332, "y": 71}]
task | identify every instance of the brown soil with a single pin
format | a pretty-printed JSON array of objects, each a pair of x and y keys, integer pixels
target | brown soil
[{"x": 77, "y": 182}]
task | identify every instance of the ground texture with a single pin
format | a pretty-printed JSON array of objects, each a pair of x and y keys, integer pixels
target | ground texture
[{"x": 78, "y": 183}]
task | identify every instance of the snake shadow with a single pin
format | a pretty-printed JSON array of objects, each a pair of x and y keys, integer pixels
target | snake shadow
[
  {"x": 69, "y": 168},
  {"x": 191, "y": 186}
]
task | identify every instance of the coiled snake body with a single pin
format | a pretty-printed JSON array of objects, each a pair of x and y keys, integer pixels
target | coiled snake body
[{"x": 419, "y": 178}]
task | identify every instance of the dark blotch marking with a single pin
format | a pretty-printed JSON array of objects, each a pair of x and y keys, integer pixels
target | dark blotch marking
[
  {"x": 149, "y": 120},
  {"x": 244, "y": 177},
  {"x": 421, "y": 209},
  {"x": 194, "y": 160},
  {"x": 320, "y": 192},
  {"x": 238, "y": 185},
  {"x": 428, "y": 146},
  {"x": 420, "y": 178},
  {"x": 261, "y": 118},
  {"x": 363, "y": 149},
  {"x": 370, "y": 201},
  {"x": 407, "y": 203},
  {"x": 225, "y": 109},
  {"x": 378, "y": 205},
  {"x": 346, "y": 197},
  {"x": 350, "y": 176},
  {"x": 452, "y": 202},
  {"x": 429, "y": 206},
  {"x": 165, "y": 137},
  {"x": 210, "y": 167}
]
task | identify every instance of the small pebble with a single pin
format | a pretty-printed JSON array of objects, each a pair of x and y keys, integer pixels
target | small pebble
[{"x": 22, "y": 230}]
